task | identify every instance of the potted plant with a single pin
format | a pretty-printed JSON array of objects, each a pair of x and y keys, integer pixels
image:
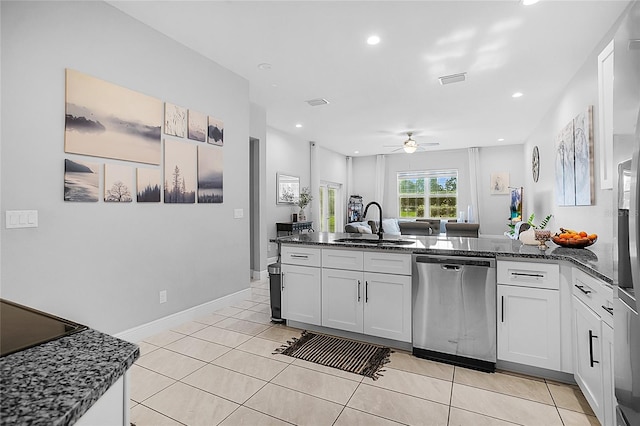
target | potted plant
[
  {"x": 303, "y": 201},
  {"x": 536, "y": 234}
]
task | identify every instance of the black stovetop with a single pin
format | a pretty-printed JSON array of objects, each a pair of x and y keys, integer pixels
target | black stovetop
[{"x": 22, "y": 327}]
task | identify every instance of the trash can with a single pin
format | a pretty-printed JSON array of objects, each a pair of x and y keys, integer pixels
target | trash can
[{"x": 275, "y": 280}]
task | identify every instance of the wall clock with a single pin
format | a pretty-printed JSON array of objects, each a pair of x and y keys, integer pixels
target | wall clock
[{"x": 535, "y": 164}]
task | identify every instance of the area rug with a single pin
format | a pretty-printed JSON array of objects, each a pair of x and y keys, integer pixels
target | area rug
[{"x": 355, "y": 357}]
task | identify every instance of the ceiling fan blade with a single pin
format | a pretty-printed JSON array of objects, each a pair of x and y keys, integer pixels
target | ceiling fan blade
[{"x": 429, "y": 144}]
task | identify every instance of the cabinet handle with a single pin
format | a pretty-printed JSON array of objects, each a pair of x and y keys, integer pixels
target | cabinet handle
[
  {"x": 610, "y": 310},
  {"x": 591, "y": 337},
  {"x": 521, "y": 274},
  {"x": 581, "y": 288},
  {"x": 358, "y": 290},
  {"x": 366, "y": 291},
  {"x": 300, "y": 256},
  {"x": 282, "y": 281},
  {"x": 502, "y": 307}
]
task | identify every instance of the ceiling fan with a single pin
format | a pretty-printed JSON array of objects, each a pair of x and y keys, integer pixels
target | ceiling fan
[{"x": 410, "y": 145}]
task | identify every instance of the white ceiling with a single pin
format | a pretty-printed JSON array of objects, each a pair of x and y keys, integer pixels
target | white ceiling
[{"x": 318, "y": 50}]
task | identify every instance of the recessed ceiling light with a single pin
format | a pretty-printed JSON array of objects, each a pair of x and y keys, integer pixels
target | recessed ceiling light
[
  {"x": 517, "y": 95},
  {"x": 356, "y": 152},
  {"x": 373, "y": 40},
  {"x": 529, "y": 2},
  {"x": 298, "y": 125},
  {"x": 501, "y": 140},
  {"x": 264, "y": 66}
]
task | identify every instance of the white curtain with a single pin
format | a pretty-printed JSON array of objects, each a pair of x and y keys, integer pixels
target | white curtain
[
  {"x": 474, "y": 169},
  {"x": 314, "y": 175},
  {"x": 349, "y": 187},
  {"x": 380, "y": 179}
]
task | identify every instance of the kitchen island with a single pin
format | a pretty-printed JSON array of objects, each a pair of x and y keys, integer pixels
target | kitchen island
[
  {"x": 596, "y": 260},
  {"x": 57, "y": 382}
]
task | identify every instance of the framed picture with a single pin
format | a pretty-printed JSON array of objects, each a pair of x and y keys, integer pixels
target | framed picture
[
  {"x": 515, "y": 204},
  {"x": 210, "y": 171},
  {"x": 215, "y": 132},
  {"x": 149, "y": 184},
  {"x": 288, "y": 188},
  {"x": 197, "y": 126},
  {"x": 180, "y": 172},
  {"x": 499, "y": 183},
  {"x": 118, "y": 183}
]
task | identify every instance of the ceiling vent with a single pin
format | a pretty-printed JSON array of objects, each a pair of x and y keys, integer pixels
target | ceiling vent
[
  {"x": 317, "y": 102},
  {"x": 453, "y": 78}
]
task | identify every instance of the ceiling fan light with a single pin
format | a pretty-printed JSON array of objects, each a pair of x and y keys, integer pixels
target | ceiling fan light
[{"x": 410, "y": 149}]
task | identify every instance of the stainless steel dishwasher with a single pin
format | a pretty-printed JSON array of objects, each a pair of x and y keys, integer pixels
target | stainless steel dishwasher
[{"x": 454, "y": 310}]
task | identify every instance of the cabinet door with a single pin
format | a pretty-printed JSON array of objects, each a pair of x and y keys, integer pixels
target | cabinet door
[
  {"x": 301, "y": 294},
  {"x": 528, "y": 326},
  {"x": 588, "y": 355},
  {"x": 608, "y": 392},
  {"x": 342, "y": 299},
  {"x": 387, "y": 307}
]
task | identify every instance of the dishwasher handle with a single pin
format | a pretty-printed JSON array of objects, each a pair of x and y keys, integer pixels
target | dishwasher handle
[
  {"x": 457, "y": 261},
  {"x": 451, "y": 267}
]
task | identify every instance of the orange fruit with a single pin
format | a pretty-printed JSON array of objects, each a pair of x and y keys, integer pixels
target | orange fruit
[
  {"x": 583, "y": 234},
  {"x": 593, "y": 236},
  {"x": 575, "y": 236}
]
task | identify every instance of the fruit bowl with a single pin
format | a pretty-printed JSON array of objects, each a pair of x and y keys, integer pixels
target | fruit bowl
[{"x": 574, "y": 240}]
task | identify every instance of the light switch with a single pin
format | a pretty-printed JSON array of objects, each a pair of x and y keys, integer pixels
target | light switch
[
  {"x": 21, "y": 218},
  {"x": 238, "y": 213}
]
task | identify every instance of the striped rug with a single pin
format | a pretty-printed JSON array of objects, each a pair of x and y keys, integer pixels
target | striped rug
[{"x": 356, "y": 357}]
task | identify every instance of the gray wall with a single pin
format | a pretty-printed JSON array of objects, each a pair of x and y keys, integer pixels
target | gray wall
[
  {"x": 96, "y": 263},
  {"x": 258, "y": 131},
  {"x": 581, "y": 92}
]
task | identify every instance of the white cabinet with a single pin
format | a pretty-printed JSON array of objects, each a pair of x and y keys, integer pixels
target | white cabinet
[
  {"x": 593, "y": 344},
  {"x": 301, "y": 293},
  {"x": 529, "y": 314},
  {"x": 360, "y": 299},
  {"x": 111, "y": 409},
  {"x": 343, "y": 299},
  {"x": 387, "y": 307}
]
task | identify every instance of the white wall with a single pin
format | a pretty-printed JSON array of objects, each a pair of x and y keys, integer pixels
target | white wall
[
  {"x": 494, "y": 209},
  {"x": 258, "y": 130},
  {"x": 364, "y": 178},
  {"x": 290, "y": 155},
  {"x": 581, "y": 92},
  {"x": 103, "y": 264}
]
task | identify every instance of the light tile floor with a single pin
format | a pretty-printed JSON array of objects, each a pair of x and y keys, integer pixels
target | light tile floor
[{"x": 220, "y": 369}]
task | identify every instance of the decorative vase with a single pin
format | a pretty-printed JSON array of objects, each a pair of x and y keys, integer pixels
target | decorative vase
[
  {"x": 528, "y": 237},
  {"x": 301, "y": 216},
  {"x": 542, "y": 236}
]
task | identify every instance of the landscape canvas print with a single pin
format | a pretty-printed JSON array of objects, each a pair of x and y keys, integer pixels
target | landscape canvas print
[
  {"x": 197, "y": 126},
  {"x": 105, "y": 120},
  {"x": 148, "y": 185},
  {"x": 583, "y": 141},
  {"x": 210, "y": 172},
  {"x": 216, "y": 132},
  {"x": 180, "y": 174},
  {"x": 118, "y": 183},
  {"x": 175, "y": 120},
  {"x": 81, "y": 181}
]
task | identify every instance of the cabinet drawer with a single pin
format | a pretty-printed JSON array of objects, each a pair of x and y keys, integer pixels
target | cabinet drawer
[
  {"x": 529, "y": 274},
  {"x": 304, "y": 256},
  {"x": 594, "y": 293},
  {"x": 387, "y": 263},
  {"x": 342, "y": 259}
]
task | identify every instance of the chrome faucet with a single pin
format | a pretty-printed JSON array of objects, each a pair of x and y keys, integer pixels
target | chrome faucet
[{"x": 380, "y": 230}]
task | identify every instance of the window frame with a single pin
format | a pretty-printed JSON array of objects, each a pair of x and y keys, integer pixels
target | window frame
[{"x": 426, "y": 195}]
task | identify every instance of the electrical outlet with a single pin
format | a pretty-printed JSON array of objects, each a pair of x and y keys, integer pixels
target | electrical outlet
[{"x": 163, "y": 296}]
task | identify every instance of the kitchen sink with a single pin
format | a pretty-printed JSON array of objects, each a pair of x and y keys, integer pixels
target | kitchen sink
[{"x": 374, "y": 242}]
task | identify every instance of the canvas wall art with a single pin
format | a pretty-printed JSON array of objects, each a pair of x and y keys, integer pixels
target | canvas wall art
[
  {"x": 180, "y": 174},
  {"x": 175, "y": 120},
  {"x": 583, "y": 142},
  {"x": 210, "y": 171},
  {"x": 197, "y": 126},
  {"x": 81, "y": 181},
  {"x": 148, "y": 185},
  {"x": 118, "y": 183},
  {"x": 105, "y": 120},
  {"x": 515, "y": 204},
  {"x": 215, "y": 132},
  {"x": 499, "y": 183},
  {"x": 565, "y": 167}
]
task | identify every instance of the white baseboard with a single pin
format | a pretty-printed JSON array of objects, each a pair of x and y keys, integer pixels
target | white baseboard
[
  {"x": 259, "y": 275},
  {"x": 143, "y": 331}
]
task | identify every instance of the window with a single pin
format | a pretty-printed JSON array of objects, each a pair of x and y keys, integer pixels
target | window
[
  {"x": 428, "y": 194},
  {"x": 329, "y": 197}
]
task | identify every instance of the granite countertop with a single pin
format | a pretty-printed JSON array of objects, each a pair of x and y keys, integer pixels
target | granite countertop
[
  {"x": 56, "y": 382},
  {"x": 596, "y": 260}
]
